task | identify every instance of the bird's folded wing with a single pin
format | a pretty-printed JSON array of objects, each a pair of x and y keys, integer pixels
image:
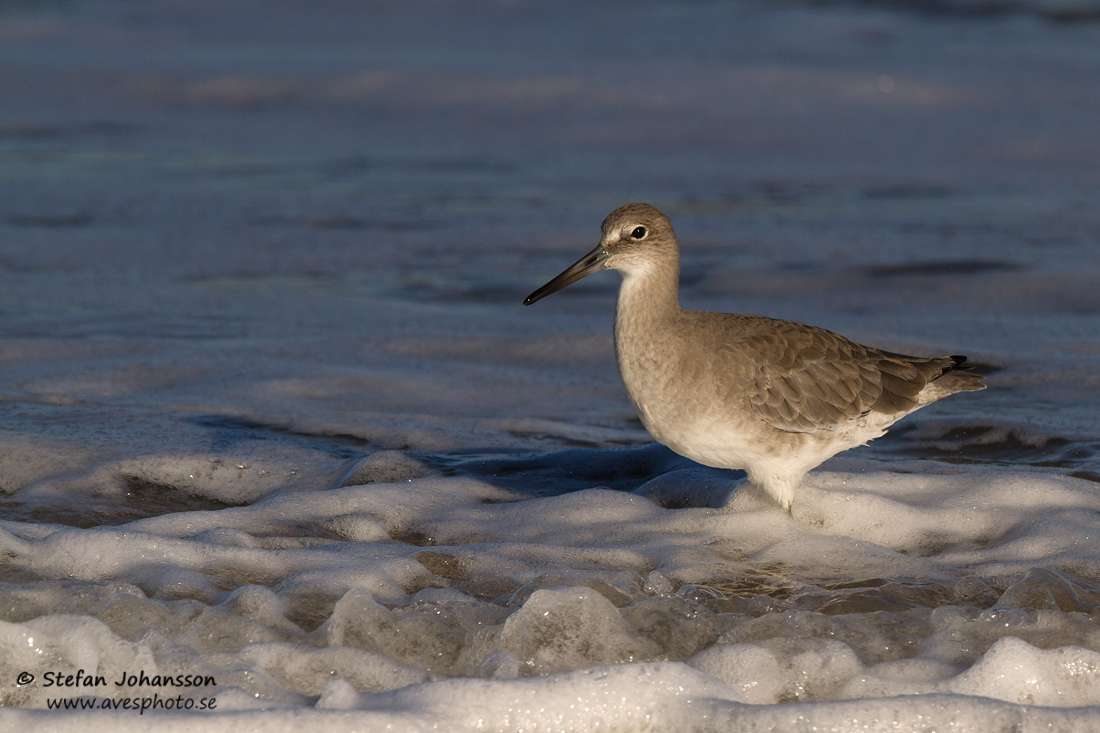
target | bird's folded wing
[{"x": 808, "y": 379}]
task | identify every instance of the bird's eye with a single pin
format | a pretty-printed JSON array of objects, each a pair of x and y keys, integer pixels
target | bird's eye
[{"x": 639, "y": 233}]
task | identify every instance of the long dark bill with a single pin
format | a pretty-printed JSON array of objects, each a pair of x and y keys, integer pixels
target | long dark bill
[{"x": 594, "y": 261}]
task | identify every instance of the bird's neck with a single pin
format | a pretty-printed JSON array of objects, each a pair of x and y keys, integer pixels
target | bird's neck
[
  {"x": 647, "y": 339},
  {"x": 649, "y": 295}
]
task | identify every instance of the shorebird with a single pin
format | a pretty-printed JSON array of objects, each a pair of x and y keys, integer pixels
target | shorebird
[{"x": 774, "y": 398}]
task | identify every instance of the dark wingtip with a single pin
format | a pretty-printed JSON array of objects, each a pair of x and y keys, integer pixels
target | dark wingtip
[{"x": 970, "y": 381}]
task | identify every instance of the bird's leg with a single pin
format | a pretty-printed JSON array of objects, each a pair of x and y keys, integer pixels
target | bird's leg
[{"x": 780, "y": 487}]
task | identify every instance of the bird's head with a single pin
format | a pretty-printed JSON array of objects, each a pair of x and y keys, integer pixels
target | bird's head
[{"x": 635, "y": 238}]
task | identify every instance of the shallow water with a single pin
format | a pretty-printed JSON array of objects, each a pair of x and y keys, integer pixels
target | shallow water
[{"x": 270, "y": 409}]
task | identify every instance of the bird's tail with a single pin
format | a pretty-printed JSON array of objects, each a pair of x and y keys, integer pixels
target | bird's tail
[{"x": 957, "y": 375}]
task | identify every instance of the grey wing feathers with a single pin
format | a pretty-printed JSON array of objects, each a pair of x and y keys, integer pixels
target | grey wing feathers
[{"x": 807, "y": 379}]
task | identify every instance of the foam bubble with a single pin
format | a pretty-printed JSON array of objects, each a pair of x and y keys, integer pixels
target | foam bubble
[
  {"x": 1015, "y": 671},
  {"x": 569, "y": 628}
]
